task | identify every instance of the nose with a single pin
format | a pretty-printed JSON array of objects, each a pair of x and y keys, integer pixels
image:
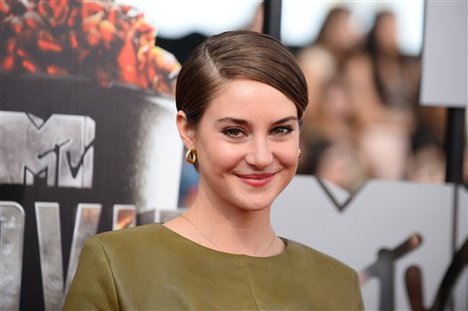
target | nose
[{"x": 259, "y": 154}]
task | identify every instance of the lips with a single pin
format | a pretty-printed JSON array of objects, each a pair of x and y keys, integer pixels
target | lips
[{"x": 256, "y": 180}]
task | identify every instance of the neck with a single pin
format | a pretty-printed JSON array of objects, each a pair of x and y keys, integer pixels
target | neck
[{"x": 232, "y": 230}]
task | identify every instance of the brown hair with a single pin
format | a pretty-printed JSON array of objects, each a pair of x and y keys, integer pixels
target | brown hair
[
  {"x": 333, "y": 16},
  {"x": 237, "y": 55}
]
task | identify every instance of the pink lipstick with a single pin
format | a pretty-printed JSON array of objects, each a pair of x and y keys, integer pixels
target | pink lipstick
[{"x": 257, "y": 180}]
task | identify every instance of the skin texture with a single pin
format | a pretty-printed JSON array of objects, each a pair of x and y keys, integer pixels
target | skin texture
[{"x": 247, "y": 151}]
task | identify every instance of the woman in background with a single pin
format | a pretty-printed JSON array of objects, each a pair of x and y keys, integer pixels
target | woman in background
[
  {"x": 323, "y": 60},
  {"x": 240, "y": 98}
]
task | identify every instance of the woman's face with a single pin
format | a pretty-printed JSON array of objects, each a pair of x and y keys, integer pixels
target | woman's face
[
  {"x": 342, "y": 33},
  {"x": 386, "y": 33},
  {"x": 247, "y": 145}
]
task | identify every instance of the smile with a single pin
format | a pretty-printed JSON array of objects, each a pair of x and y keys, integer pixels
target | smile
[{"x": 257, "y": 180}]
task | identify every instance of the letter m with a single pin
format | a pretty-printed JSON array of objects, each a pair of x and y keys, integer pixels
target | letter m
[{"x": 58, "y": 150}]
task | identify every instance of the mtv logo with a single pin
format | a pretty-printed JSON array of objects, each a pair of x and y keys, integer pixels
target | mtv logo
[{"x": 58, "y": 150}]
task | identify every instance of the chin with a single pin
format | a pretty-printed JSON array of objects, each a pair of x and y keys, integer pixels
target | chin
[{"x": 262, "y": 202}]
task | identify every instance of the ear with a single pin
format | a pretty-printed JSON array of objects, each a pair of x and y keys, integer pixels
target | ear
[{"x": 186, "y": 132}]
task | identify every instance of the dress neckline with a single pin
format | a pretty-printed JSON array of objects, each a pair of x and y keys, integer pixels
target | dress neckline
[{"x": 215, "y": 251}]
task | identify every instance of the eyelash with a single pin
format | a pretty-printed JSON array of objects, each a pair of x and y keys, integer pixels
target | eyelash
[
  {"x": 283, "y": 130},
  {"x": 238, "y": 133},
  {"x": 233, "y": 132}
]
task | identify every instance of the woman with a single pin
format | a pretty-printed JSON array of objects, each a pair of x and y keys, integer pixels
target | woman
[
  {"x": 396, "y": 76},
  {"x": 323, "y": 59},
  {"x": 240, "y": 98}
]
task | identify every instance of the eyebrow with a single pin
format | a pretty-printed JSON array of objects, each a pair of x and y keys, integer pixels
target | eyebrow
[{"x": 245, "y": 122}]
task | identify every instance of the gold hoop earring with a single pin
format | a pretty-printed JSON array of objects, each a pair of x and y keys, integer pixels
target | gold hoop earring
[
  {"x": 299, "y": 153},
  {"x": 191, "y": 156}
]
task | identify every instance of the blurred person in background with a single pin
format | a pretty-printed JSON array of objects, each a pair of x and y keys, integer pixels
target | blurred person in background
[
  {"x": 322, "y": 59},
  {"x": 330, "y": 123},
  {"x": 336, "y": 161},
  {"x": 335, "y": 116},
  {"x": 396, "y": 76},
  {"x": 384, "y": 88},
  {"x": 427, "y": 165},
  {"x": 396, "y": 79},
  {"x": 329, "y": 139}
]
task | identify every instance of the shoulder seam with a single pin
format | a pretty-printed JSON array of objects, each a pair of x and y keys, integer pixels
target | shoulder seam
[{"x": 110, "y": 268}]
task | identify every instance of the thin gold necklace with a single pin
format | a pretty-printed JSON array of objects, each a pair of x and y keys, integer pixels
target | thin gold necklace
[
  {"x": 201, "y": 232},
  {"x": 214, "y": 244}
]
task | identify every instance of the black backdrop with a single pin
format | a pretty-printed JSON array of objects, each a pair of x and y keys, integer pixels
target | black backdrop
[{"x": 120, "y": 114}]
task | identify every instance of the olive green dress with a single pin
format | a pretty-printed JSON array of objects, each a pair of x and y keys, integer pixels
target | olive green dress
[{"x": 153, "y": 268}]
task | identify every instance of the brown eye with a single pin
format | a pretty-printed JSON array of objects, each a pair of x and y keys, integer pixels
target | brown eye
[
  {"x": 281, "y": 130},
  {"x": 234, "y": 132}
]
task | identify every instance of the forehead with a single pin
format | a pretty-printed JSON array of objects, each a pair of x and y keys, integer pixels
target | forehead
[{"x": 250, "y": 100}]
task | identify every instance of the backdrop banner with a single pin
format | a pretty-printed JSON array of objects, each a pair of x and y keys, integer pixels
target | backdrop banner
[{"x": 87, "y": 137}]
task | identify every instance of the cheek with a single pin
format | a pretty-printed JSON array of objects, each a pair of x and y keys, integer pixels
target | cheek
[
  {"x": 221, "y": 157},
  {"x": 288, "y": 156}
]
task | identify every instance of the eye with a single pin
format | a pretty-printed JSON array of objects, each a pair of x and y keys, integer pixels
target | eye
[
  {"x": 281, "y": 130},
  {"x": 234, "y": 132}
]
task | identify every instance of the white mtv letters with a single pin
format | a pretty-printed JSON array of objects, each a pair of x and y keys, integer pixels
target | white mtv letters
[
  {"x": 49, "y": 232},
  {"x": 58, "y": 149}
]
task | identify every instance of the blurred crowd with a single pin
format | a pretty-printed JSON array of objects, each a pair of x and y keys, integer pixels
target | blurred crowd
[{"x": 364, "y": 119}]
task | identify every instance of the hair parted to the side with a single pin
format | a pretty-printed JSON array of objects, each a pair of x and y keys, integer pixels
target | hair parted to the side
[{"x": 237, "y": 55}]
